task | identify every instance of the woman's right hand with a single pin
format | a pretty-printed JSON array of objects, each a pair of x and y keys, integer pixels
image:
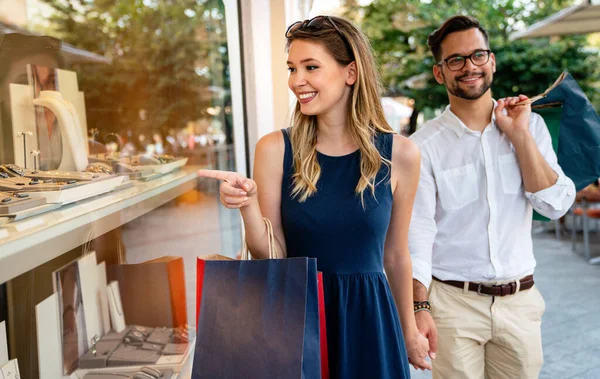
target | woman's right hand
[{"x": 236, "y": 191}]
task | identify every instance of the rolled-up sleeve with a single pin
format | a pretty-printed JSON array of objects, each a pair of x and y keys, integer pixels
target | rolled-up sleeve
[
  {"x": 554, "y": 201},
  {"x": 422, "y": 230}
]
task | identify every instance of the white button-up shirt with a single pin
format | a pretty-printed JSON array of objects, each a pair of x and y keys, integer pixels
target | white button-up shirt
[{"x": 472, "y": 216}]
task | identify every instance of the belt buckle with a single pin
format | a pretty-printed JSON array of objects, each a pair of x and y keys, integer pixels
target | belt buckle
[{"x": 479, "y": 286}]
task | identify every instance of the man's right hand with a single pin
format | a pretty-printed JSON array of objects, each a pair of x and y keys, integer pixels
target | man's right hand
[
  {"x": 426, "y": 327},
  {"x": 236, "y": 190}
]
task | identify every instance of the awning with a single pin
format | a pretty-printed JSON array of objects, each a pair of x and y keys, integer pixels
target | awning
[
  {"x": 581, "y": 18},
  {"x": 70, "y": 53}
]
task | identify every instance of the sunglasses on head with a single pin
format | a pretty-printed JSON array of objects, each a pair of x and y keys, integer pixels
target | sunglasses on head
[{"x": 315, "y": 23}]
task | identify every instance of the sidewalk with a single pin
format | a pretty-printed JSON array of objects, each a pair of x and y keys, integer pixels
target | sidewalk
[{"x": 571, "y": 324}]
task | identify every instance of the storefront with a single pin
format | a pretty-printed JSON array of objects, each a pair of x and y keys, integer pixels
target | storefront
[{"x": 135, "y": 96}]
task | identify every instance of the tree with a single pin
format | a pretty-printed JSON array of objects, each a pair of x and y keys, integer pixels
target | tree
[
  {"x": 169, "y": 60},
  {"x": 399, "y": 29}
]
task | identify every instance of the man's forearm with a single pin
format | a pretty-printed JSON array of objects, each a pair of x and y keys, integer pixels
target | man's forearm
[
  {"x": 537, "y": 173},
  {"x": 419, "y": 291}
]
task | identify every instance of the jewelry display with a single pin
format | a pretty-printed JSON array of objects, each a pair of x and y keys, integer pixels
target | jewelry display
[
  {"x": 160, "y": 164},
  {"x": 24, "y": 135},
  {"x": 152, "y": 346},
  {"x": 97, "y": 356},
  {"x": 11, "y": 203},
  {"x": 35, "y": 154},
  {"x": 160, "y": 336},
  {"x": 22, "y": 184},
  {"x": 99, "y": 168},
  {"x": 130, "y": 355},
  {"x": 74, "y": 156},
  {"x": 16, "y": 171},
  {"x": 57, "y": 186},
  {"x": 144, "y": 373}
]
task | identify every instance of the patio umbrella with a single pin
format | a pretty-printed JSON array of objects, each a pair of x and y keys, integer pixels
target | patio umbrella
[{"x": 580, "y": 18}]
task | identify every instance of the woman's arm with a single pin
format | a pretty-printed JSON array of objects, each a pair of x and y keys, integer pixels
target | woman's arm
[
  {"x": 268, "y": 175},
  {"x": 238, "y": 192},
  {"x": 406, "y": 160}
]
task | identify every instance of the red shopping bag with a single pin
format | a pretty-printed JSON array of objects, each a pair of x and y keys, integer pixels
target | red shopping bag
[{"x": 323, "y": 329}]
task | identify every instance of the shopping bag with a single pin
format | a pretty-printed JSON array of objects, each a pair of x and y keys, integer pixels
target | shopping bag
[
  {"x": 201, "y": 264},
  {"x": 323, "y": 329},
  {"x": 578, "y": 148},
  {"x": 551, "y": 113},
  {"x": 153, "y": 292},
  {"x": 259, "y": 319}
]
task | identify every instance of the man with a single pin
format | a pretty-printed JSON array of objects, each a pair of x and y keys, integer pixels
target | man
[{"x": 485, "y": 166}]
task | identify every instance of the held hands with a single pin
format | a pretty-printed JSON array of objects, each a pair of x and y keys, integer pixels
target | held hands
[
  {"x": 417, "y": 349},
  {"x": 236, "y": 191},
  {"x": 428, "y": 335},
  {"x": 516, "y": 120}
]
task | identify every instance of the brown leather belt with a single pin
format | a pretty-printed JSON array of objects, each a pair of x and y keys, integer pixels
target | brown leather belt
[{"x": 498, "y": 290}]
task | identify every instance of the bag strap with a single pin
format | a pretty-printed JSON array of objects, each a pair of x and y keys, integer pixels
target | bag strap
[{"x": 246, "y": 255}]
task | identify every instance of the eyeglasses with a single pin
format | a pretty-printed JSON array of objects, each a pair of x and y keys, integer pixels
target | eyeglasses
[
  {"x": 458, "y": 62},
  {"x": 315, "y": 23}
]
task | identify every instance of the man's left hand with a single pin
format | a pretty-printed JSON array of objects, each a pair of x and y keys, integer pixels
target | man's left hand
[{"x": 516, "y": 120}]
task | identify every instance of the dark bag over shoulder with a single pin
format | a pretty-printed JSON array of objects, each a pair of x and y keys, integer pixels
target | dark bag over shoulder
[{"x": 575, "y": 125}]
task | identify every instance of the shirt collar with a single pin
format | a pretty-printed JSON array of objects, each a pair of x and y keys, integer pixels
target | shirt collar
[{"x": 452, "y": 122}]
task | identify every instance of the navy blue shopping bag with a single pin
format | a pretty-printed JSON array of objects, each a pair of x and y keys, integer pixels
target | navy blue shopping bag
[
  {"x": 257, "y": 319},
  {"x": 578, "y": 149}
]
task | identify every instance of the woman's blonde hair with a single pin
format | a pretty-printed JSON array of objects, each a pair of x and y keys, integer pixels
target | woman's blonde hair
[{"x": 347, "y": 44}]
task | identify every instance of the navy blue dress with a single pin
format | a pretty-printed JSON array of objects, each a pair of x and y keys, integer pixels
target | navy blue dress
[{"x": 364, "y": 334}]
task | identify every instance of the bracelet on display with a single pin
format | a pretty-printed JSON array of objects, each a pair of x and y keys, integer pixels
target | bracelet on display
[{"x": 422, "y": 306}]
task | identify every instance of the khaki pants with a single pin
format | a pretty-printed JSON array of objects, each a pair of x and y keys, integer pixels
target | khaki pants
[{"x": 482, "y": 336}]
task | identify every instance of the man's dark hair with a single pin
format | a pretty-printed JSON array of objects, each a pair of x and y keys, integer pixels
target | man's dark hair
[{"x": 452, "y": 25}]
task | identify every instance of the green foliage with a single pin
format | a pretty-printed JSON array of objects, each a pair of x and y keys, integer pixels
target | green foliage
[
  {"x": 165, "y": 54},
  {"x": 399, "y": 30}
]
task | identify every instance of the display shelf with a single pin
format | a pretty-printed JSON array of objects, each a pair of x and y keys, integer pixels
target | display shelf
[
  {"x": 186, "y": 370},
  {"x": 31, "y": 242}
]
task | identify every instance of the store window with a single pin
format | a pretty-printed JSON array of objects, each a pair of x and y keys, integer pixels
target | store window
[{"x": 91, "y": 91}]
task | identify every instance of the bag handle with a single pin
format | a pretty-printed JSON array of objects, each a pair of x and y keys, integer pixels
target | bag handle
[{"x": 271, "y": 236}]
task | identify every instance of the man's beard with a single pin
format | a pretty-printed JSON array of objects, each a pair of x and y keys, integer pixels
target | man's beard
[{"x": 472, "y": 93}]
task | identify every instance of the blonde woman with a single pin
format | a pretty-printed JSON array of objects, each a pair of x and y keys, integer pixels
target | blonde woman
[{"x": 338, "y": 185}]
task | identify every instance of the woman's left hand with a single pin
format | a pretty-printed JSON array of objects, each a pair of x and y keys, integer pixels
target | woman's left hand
[{"x": 417, "y": 348}]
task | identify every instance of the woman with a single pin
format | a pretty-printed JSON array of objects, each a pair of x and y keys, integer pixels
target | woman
[{"x": 339, "y": 186}]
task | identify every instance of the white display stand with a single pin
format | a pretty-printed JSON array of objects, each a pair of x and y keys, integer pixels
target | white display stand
[
  {"x": 117, "y": 316},
  {"x": 69, "y": 88},
  {"x": 23, "y": 120},
  {"x": 90, "y": 292},
  {"x": 102, "y": 283},
  {"x": 74, "y": 153},
  {"x": 23, "y": 115},
  {"x": 49, "y": 339}
]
